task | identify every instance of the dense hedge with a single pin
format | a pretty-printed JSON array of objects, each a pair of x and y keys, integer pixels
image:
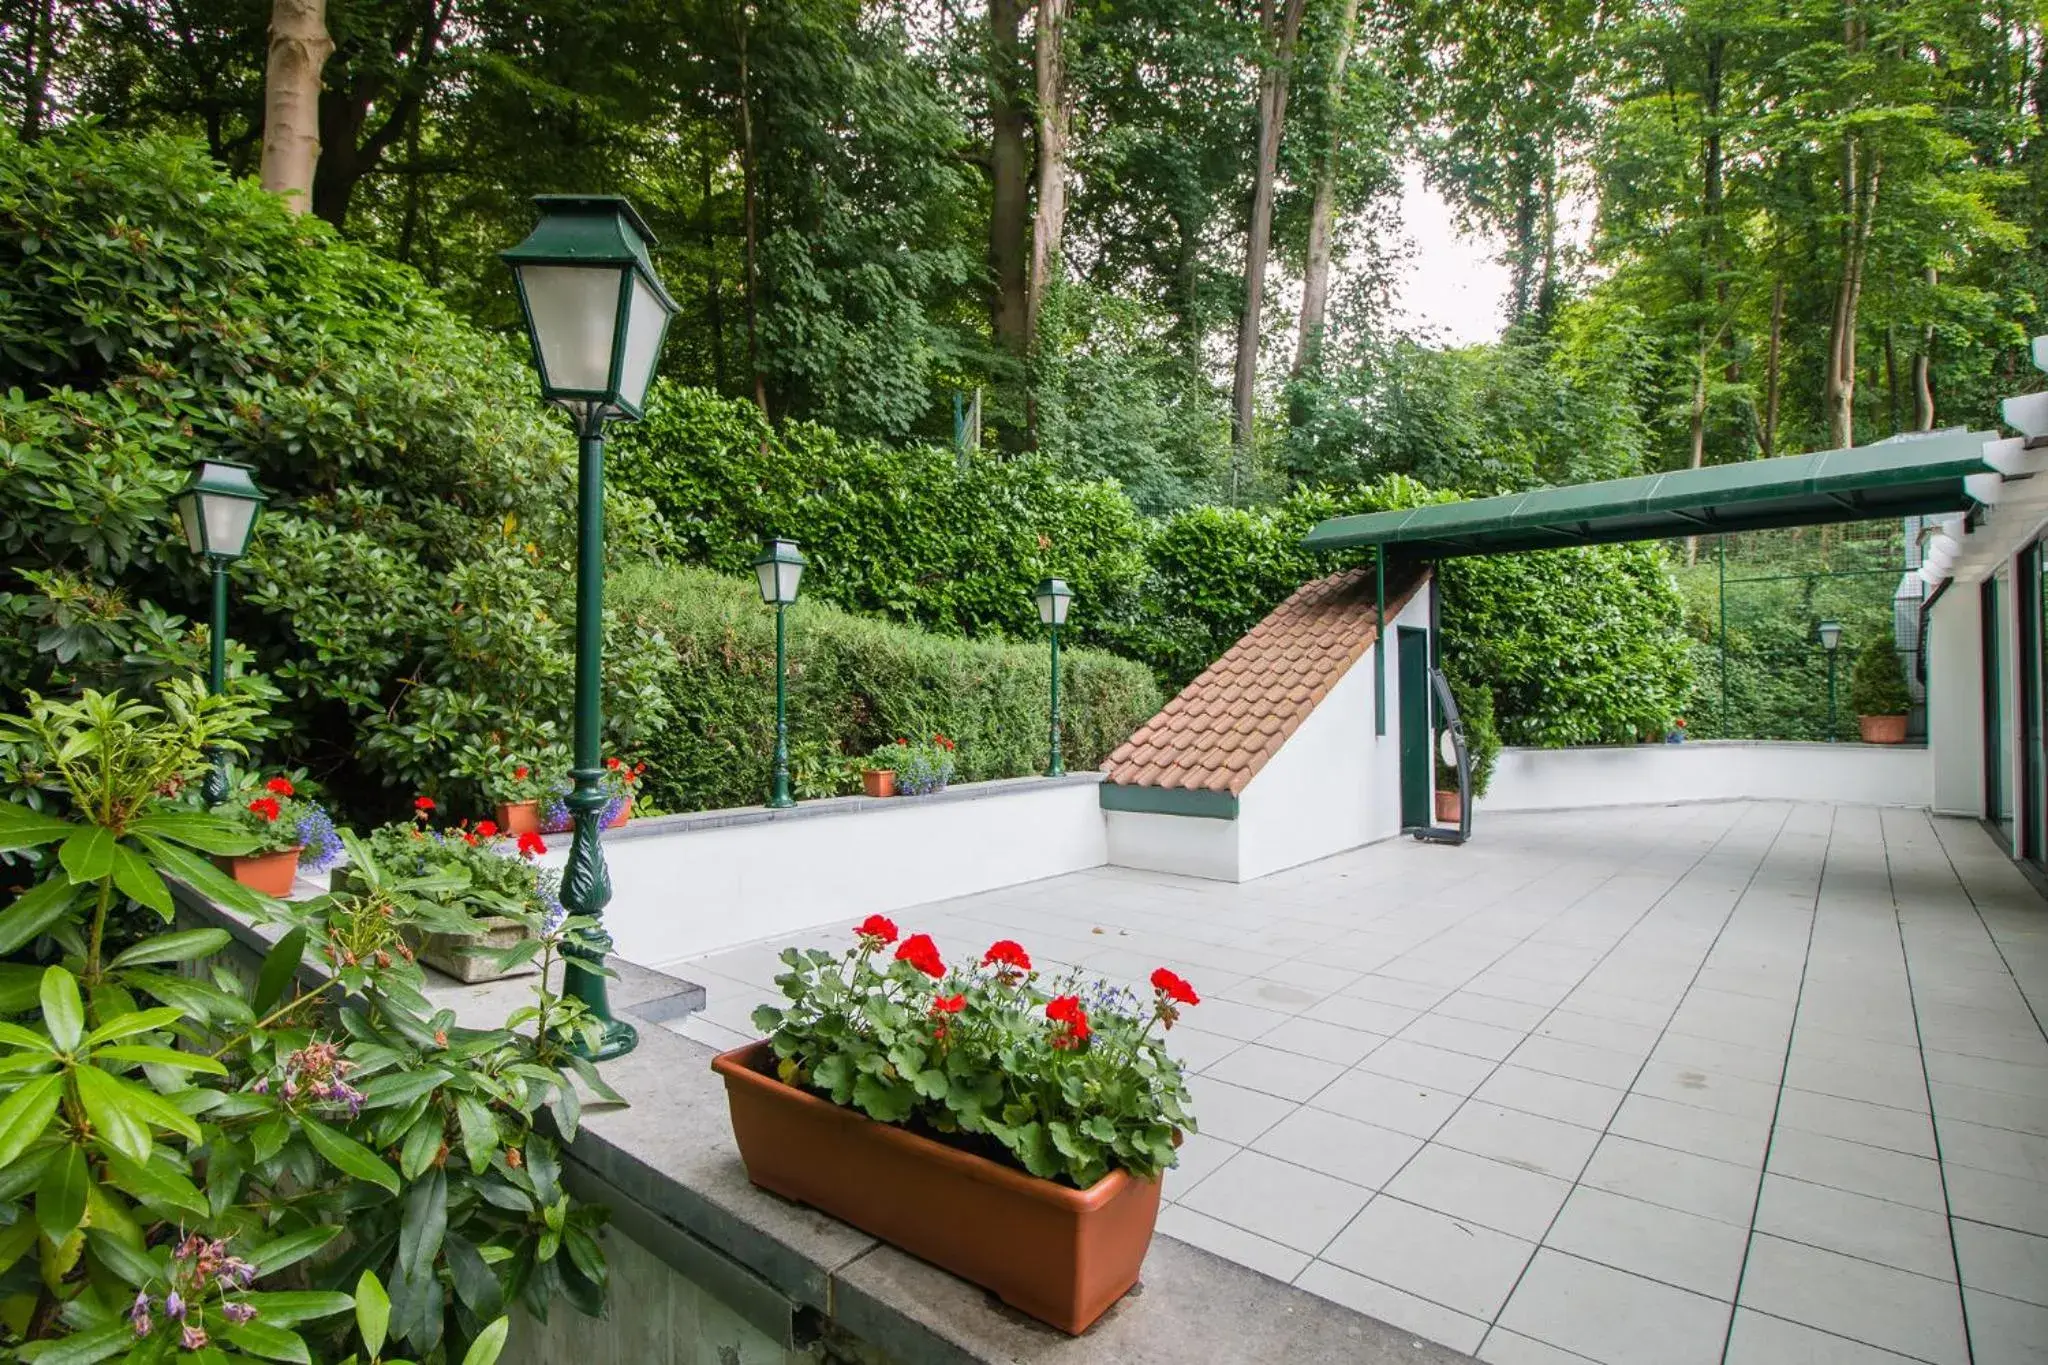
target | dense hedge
[{"x": 855, "y": 683}]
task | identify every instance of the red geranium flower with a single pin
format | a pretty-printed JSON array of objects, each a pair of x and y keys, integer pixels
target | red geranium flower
[
  {"x": 1007, "y": 953},
  {"x": 948, "y": 1004},
  {"x": 612, "y": 763},
  {"x": 1066, "y": 1009},
  {"x": 880, "y": 928},
  {"x": 920, "y": 952},
  {"x": 519, "y": 773},
  {"x": 1174, "y": 988},
  {"x": 531, "y": 845},
  {"x": 265, "y": 806},
  {"x": 423, "y": 803},
  {"x": 468, "y": 838},
  {"x": 487, "y": 829},
  {"x": 280, "y": 786}
]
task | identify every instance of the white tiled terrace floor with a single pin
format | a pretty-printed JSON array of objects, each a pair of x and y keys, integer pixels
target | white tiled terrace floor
[{"x": 1734, "y": 1084}]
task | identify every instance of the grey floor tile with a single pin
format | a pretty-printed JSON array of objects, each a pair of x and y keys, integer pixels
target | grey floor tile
[
  {"x": 1233, "y": 1113},
  {"x": 1678, "y": 1248},
  {"x": 1993, "y": 1108},
  {"x": 1304, "y": 973},
  {"x": 1679, "y": 1180},
  {"x": 1198, "y": 1154},
  {"x": 1874, "y": 1125},
  {"x": 1650, "y": 1014},
  {"x": 1360, "y": 1153},
  {"x": 1231, "y": 1020},
  {"x": 1370, "y": 1016},
  {"x": 1389, "y": 1102},
  {"x": 1456, "y": 1330},
  {"x": 1898, "y": 1089},
  {"x": 2001, "y": 1200},
  {"x": 1736, "y": 1138},
  {"x": 1503, "y": 1347},
  {"x": 1480, "y": 1190},
  {"x": 1715, "y": 1090},
  {"x": 1445, "y": 1260},
  {"x": 1434, "y": 1067},
  {"x": 1613, "y": 1317},
  {"x": 1329, "y": 1042},
  {"x": 2001, "y": 1261},
  {"x": 1878, "y": 1230},
  {"x": 1578, "y": 1061},
  {"x": 1413, "y": 995},
  {"x": 1994, "y": 1149},
  {"x": 2005, "y": 1331},
  {"x": 1860, "y": 1169},
  {"x": 1488, "y": 1041},
  {"x": 1985, "y": 1073},
  {"x": 1722, "y": 1058},
  {"x": 1757, "y": 1339},
  {"x": 1556, "y": 1097},
  {"x": 1531, "y": 1141},
  {"x": 1277, "y": 1200},
  {"x": 1232, "y": 1243},
  {"x": 1528, "y": 990},
  {"x": 1588, "y": 1030},
  {"x": 1489, "y": 1009},
  {"x": 1874, "y": 1304},
  {"x": 1199, "y": 1051},
  {"x": 1272, "y": 1071},
  {"x": 1261, "y": 993}
]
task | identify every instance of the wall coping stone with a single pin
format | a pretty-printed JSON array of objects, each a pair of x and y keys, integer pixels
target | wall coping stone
[
  {"x": 689, "y": 822},
  {"x": 668, "y": 1167}
]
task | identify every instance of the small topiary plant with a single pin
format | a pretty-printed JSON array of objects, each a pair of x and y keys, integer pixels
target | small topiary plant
[{"x": 1878, "y": 685}]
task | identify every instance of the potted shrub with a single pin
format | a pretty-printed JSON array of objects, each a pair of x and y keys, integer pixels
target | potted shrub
[
  {"x": 1482, "y": 750},
  {"x": 498, "y": 898},
  {"x": 289, "y": 833},
  {"x": 878, "y": 769},
  {"x": 922, "y": 765},
  {"x": 617, "y": 782},
  {"x": 1011, "y": 1131},
  {"x": 1878, "y": 695},
  {"x": 517, "y": 785}
]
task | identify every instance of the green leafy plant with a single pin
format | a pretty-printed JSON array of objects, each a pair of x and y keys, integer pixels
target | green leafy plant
[
  {"x": 1877, "y": 687},
  {"x": 533, "y": 771},
  {"x": 475, "y": 871},
  {"x": 182, "y": 1142},
  {"x": 1066, "y": 1079}
]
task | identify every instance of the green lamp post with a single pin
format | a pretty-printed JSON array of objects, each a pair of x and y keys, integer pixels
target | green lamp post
[
  {"x": 779, "y": 567},
  {"x": 1052, "y": 596},
  {"x": 217, "y": 510},
  {"x": 1830, "y": 633},
  {"x": 596, "y": 314}
]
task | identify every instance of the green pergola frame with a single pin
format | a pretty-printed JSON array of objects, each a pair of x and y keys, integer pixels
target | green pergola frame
[{"x": 1906, "y": 476}]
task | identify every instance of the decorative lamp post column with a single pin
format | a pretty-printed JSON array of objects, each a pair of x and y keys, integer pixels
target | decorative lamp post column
[
  {"x": 217, "y": 509},
  {"x": 596, "y": 314},
  {"x": 779, "y": 567},
  {"x": 1830, "y": 633},
  {"x": 1053, "y": 596}
]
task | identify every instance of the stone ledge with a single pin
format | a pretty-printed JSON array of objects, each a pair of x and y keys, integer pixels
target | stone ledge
[
  {"x": 669, "y": 1168},
  {"x": 690, "y": 821}
]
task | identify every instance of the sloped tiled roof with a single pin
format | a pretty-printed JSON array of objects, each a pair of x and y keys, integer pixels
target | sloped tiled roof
[{"x": 1226, "y": 724}]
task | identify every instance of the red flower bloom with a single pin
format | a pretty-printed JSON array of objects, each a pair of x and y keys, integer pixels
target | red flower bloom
[
  {"x": 1006, "y": 953},
  {"x": 612, "y": 763},
  {"x": 279, "y": 786},
  {"x": 920, "y": 952},
  {"x": 1066, "y": 1009},
  {"x": 423, "y": 803},
  {"x": 265, "y": 806},
  {"x": 487, "y": 829},
  {"x": 948, "y": 1004},
  {"x": 1174, "y": 988},
  {"x": 880, "y": 928},
  {"x": 531, "y": 845},
  {"x": 519, "y": 773}
]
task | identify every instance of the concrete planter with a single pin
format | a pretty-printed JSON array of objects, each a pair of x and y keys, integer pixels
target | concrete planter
[
  {"x": 1882, "y": 729},
  {"x": 471, "y": 958},
  {"x": 270, "y": 873},
  {"x": 1060, "y": 1254}
]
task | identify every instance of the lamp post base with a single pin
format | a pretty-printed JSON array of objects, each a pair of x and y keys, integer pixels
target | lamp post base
[{"x": 617, "y": 1039}]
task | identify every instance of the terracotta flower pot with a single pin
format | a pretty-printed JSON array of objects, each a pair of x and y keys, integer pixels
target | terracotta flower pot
[
  {"x": 1060, "y": 1254},
  {"x": 1882, "y": 729},
  {"x": 625, "y": 814},
  {"x": 1448, "y": 808},
  {"x": 519, "y": 817},
  {"x": 270, "y": 873},
  {"x": 878, "y": 781}
]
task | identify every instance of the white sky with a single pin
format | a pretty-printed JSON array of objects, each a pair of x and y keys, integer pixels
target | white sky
[{"x": 1457, "y": 287}]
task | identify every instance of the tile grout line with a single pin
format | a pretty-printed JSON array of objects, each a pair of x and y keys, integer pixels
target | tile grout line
[
  {"x": 1996, "y": 947},
  {"x": 1927, "y": 1079},
  {"x": 1778, "y": 1102}
]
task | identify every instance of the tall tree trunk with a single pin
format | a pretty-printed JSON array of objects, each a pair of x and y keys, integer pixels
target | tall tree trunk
[
  {"x": 1282, "y": 24},
  {"x": 291, "y": 99},
  {"x": 1923, "y": 370},
  {"x": 714, "y": 301},
  {"x": 1010, "y": 174},
  {"x": 1522, "y": 263},
  {"x": 1055, "y": 122},
  {"x": 1859, "y": 211},
  {"x": 1771, "y": 372},
  {"x": 1322, "y": 214},
  {"x": 750, "y": 194},
  {"x": 39, "y": 52},
  {"x": 1891, "y": 375}
]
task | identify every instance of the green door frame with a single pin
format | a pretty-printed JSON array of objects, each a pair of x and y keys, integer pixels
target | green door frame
[{"x": 1417, "y": 788}]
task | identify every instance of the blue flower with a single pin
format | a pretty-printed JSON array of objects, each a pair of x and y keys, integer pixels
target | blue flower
[{"x": 321, "y": 844}]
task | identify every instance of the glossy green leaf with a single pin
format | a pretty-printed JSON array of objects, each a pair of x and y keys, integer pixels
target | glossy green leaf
[
  {"x": 489, "y": 1342},
  {"x": 35, "y": 910},
  {"x": 21, "y": 827},
  {"x": 155, "y": 1183},
  {"x": 90, "y": 1346},
  {"x": 280, "y": 966},
  {"x": 479, "y": 1131},
  {"x": 292, "y": 1248},
  {"x": 60, "y": 1195},
  {"x": 135, "y": 1267},
  {"x": 203, "y": 877},
  {"x": 145, "y": 1104},
  {"x": 25, "y": 1115},
  {"x": 184, "y": 946},
  {"x": 63, "y": 1011},
  {"x": 423, "y": 1226},
  {"x": 207, "y": 833},
  {"x": 402, "y": 1087},
  {"x": 87, "y": 854},
  {"x": 290, "y": 1307},
  {"x": 204, "y": 1003},
  {"x": 373, "y": 1312},
  {"x": 260, "y": 1338},
  {"x": 116, "y": 1122},
  {"x": 128, "y": 1025},
  {"x": 139, "y": 881},
  {"x": 149, "y": 1055},
  {"x": 347, "y": 1155}
]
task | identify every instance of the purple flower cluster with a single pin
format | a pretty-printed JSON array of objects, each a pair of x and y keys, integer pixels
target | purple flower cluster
[
  {"x": 321, "y": 846},
  {"x": 198, "y": 1265},
  {"x": 556, "y": 819},
  {"x": 319, "y": 1070}
]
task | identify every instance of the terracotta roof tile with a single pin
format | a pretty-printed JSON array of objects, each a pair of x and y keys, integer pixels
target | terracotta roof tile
[{"x": 1228, "y": 723}]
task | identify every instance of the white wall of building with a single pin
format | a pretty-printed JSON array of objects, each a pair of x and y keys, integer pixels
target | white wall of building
[
  {"x": 695, "y": 889},
  {"x": 1189, "y": 845},
  {"x": 1955, "y": 692},
  {"x": 1709, "y": 770}
]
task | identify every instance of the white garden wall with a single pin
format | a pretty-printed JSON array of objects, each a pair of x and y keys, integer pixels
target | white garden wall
[
  {"x": 1955, "y": 700},
  {"x": 1707, "y": 770}
]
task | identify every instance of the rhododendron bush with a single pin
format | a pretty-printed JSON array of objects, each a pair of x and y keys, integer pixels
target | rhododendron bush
[{"x": 1067, "y": 1078}]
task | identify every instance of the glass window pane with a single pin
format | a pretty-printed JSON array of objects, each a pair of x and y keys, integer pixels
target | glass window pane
[
  {"x": 575, "y": 312},
  {"x": 643, "y": 343},
  {"x": 227, "y": 523}
]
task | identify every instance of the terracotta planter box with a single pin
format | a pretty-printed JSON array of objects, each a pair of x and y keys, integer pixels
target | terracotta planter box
[
  {"x": 625, "y": 814},
  {"x": 467, "y": 957},
  {"x": 878, "y": 781},
  {"x": 1060, "y": 1254},
  {"x": 1449, "y": 809},
  {"x": 270, "y": 873},
  {"x": 519, "y": 817},
  {"x": 1882, "y": 729}
]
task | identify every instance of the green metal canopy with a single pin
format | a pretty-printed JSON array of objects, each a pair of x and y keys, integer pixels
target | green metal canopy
[{"x": 1904, "y": 476}]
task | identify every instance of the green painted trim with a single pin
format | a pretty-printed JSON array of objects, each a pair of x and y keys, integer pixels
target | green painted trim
[{"x": 1205, "y": 805}]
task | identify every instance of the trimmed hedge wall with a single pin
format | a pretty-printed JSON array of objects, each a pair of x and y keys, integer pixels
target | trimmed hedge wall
[{"x": 854, "y": 683}]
